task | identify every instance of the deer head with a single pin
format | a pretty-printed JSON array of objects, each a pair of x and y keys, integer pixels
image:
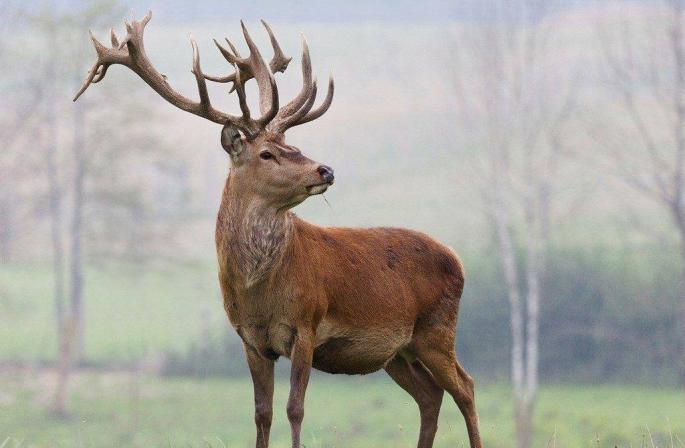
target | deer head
[{"x": 262, "y": 163}]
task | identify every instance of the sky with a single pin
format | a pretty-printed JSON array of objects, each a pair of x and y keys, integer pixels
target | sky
[{"x": 311, "y": 10}]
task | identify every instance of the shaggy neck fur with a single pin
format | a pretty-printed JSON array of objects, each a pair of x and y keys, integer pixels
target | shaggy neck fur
[{"x": 255, "y": 235}]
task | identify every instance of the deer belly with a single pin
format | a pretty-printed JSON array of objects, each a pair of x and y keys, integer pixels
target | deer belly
[{"x": 356, "y": 350}]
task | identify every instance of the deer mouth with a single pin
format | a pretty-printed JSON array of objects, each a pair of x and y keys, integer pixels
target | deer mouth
[{"x": 315, "y": 189}]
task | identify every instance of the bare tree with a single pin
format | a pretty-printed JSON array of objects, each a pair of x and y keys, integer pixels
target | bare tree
[
  {"x": 513, "y": 105},
  {"x": 642, "y": 56},
  {"x": 82, "y": 151},
  {"x": 55, "y": 206}
]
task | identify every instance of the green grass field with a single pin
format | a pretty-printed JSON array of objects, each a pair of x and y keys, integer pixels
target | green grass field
[
  {"x": 130, "y": 310},
  {"x": 357, "y": 412}
]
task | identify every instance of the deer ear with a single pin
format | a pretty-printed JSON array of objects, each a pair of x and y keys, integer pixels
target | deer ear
[{"x": 231, "y": 140}]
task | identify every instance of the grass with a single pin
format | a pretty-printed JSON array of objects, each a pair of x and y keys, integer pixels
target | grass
[
  {"x": 116, "y": 409},
  {"x": 135, "y": 310},
  {"x": 130, "y": 310}
]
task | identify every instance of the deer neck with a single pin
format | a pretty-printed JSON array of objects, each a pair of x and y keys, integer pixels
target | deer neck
[{"x": 252, "y": 237}]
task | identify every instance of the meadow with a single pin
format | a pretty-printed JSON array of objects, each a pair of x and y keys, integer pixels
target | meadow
[
  {"x": 136, "y": 312},
  {"x": 121, "y": 409},
  {"x": 131, "y": 310}
]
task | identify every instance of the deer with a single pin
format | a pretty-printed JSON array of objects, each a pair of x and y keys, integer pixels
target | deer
[{"x": 339, "y": 300}]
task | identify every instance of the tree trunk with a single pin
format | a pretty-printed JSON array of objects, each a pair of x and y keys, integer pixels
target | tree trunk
[
  {"x": 533, "y": 318},
  {"x": 6, "y": 224},
  {"x": 681, "y": 361},
  {"x": 534, "y": 264},
  {"x": 55, "y": 208},
  {"x": 509, "y": 268},
  {"x": 678, "y": 178},
  {"x": 679, "y": 219},
  {"x": 535, "y": 243},
  {"x": 518, "y": 376},
  {"x": 524, "y": 334},
  {"x": 523, "y": 420},
  {"x": 64, "y": 365},
  {"x": 76, "y": 272}
]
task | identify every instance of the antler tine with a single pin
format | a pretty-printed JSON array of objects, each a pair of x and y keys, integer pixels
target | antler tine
[
  {"x": 293, "y": 119},
  {"x": 235, "y": 52},
  {"x": 279, "y": 62},
  {"x": 323, "y": 107},
  {"x": 283, "y": 118},
  {"x": 301, "y": 97},
  {"x": 197, "y": 71},
  {"x": 114, "y": 38},
  {"x": 105, "y": 57},
  {"x": 233, "y": 48},
  {"x": 270, "y": 114},
  {"x": 231, "y": 58},
  {"x": 261, "y": 73},
  {"x": 268, "y": 91},
  {"x": 240, "y": 89},
  {"x": 100, "y": 74},
  {"x": 88, "y": 81}
]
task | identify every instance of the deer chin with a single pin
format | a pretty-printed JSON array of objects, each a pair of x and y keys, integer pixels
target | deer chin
[{"x": 313, "y": 190}]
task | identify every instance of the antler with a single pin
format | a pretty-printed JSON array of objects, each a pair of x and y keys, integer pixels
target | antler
[
  {"x": 296, "y": 112},
  {"x": 131, "y": 53}
]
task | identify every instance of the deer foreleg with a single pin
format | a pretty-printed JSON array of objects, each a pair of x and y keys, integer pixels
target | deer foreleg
[
  {"x": 301, "y": 357},
  {"x": 262, "y": 371}
]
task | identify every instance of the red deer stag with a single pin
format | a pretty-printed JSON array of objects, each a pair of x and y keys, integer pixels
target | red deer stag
[{"x": 340, "y": 300}]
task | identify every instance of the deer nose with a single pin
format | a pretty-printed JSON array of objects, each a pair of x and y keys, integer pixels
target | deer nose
[{"x": 326, "y": 173}]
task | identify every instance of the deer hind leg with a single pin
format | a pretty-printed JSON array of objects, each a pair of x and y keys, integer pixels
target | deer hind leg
[
  {"x": 418, "y": 382},
  {"x": 440, "y": 359}
]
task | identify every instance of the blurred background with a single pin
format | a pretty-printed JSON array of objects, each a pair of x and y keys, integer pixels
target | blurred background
[{"x": 543, "y": 140}]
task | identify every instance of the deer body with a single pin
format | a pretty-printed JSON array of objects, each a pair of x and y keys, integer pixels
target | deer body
[
  {"x": 337, "y": 299},
  {"x": 362, "y": 291}
]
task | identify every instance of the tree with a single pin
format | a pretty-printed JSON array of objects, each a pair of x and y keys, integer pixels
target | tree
[
  {"x": 77, "y": 169},
  {"x": 642, "y": 57},
  {"x": 513, "y": 105}
]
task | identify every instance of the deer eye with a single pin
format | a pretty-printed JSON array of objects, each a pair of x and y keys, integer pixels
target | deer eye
[{"x": 266, "y": 155}]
